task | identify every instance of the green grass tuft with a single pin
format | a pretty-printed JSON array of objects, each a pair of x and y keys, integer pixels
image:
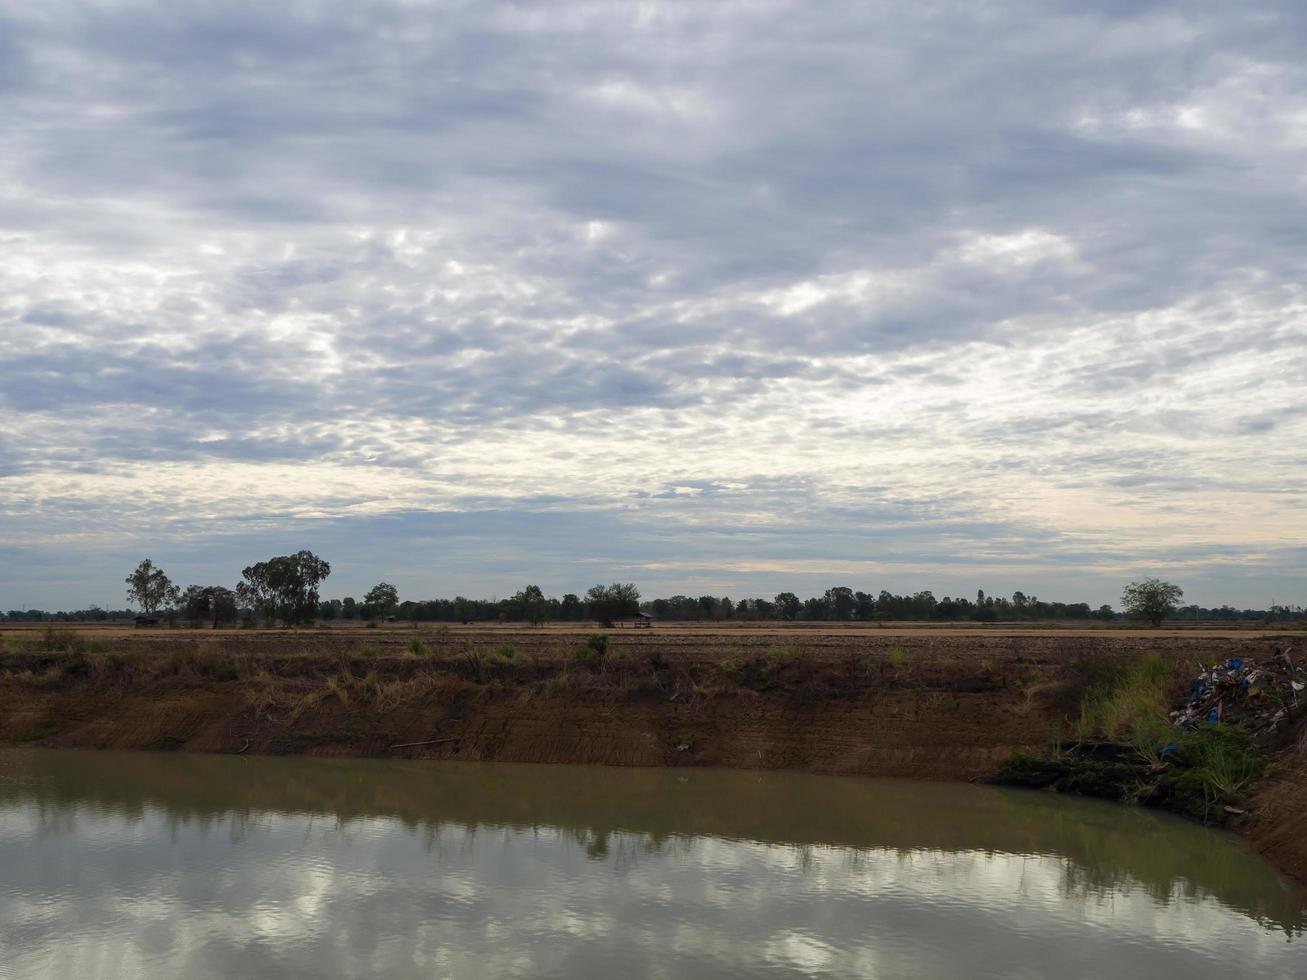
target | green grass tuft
[
  {"x": 1225, "y": 763},
  {"x": 1131, "y": 706}
]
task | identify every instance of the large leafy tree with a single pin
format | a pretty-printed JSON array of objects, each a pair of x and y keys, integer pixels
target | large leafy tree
[
  {"x": 571, "y": 608},
  {"x": 381, "y": 599},
  {"x": 840, "y": 602},
  {"x": 209, "y": 602},
  {"x": 788, "y": 605},
  {"x": 150, "y": 588},
  {"x": 607, "y": 603},
  {"x": 534, "y": 606},
  {"x": 285, "y": 587},
  {"x": 1152, "y": 599}
]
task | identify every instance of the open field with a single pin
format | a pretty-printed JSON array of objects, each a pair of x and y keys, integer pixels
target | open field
[
  {"x": 705, "y": 629},
  {"x": 940, "y": 703}
]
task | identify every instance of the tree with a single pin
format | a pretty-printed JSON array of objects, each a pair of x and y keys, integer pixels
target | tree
[
  {"x": 534, "y": 606},
  {"x": 607, "y": 603},
  {"x": 381, "y": 599},
  {"x": 151, "y": 588},
  {"x": 285, "y": 586},
  {"x": 840, "y": 602},
  {"x": 571, "y": 608},
  {"x": 788, "y": 604},
  {"x": 209, "y": 602},
  {"x": 1151, "y": 599}
]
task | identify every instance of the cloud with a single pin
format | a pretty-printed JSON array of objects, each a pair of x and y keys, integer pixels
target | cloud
[{"x": 1035, "y": 269}]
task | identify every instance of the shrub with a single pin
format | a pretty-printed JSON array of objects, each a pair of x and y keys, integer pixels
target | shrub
[
  {"x": 417, "y": 647},
  {"x": 595, "y": 651},
  {"x": 65, "y": 641},
  {"x": 370, "y": 650}
]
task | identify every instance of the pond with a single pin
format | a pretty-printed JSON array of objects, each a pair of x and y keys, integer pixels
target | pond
[{"x": 168, "y": 865}]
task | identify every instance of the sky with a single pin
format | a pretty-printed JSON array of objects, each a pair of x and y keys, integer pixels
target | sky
[{"x": 729, "y": 298}]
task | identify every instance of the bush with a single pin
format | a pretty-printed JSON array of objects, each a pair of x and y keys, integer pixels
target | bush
[
  {"x": 595, "y": 650},
  {"x": 370, "y": 650},
  {"x": 417, "y": 647}
]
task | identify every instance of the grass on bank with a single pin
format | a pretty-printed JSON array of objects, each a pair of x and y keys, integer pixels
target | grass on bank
[
  {"x": 1131, "y": 705},
  {"x": 1222, "y": 763}
]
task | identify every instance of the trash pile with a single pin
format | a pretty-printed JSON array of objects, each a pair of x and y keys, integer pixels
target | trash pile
[{"x": 1258, "y": 697}]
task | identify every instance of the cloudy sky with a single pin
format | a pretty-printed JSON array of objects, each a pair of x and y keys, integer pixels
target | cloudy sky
[{"x": 725, "y": 297}]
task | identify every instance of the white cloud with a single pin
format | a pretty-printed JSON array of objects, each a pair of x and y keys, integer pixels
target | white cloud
[{"x": 266, "y": 265}]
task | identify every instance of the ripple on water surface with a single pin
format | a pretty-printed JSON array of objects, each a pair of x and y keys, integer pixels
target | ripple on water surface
[{"x": 171, "y": 865}]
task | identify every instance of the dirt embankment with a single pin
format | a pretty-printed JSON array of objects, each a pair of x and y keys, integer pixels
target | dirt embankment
[{"x": 854, "y": 703}]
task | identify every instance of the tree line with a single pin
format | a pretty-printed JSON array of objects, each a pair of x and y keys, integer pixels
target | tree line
[{"x": 285, "y": 589}]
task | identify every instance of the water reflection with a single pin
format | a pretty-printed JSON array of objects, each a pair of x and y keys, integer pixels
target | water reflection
[{"x": 137, "y": 864}]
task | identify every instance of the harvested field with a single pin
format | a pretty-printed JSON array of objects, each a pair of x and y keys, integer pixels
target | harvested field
[{"x": 931, "y": 703}]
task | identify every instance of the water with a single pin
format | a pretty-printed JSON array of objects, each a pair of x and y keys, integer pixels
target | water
[{"x": 128, "y": 865}]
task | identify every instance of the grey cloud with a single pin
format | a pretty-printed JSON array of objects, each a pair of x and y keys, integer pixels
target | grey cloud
[{"x": 260, "y": 233}]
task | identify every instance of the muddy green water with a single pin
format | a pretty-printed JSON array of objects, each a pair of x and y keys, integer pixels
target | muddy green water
[{"x": 135, "y": 865}]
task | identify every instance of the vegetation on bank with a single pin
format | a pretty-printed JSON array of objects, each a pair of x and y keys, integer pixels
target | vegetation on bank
[
  {"x": 1124, "y": 746},
  {"x": 432, "y": 660}
]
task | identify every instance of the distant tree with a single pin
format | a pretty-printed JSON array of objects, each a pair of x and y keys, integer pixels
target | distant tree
[
  {"x": 149, "y": 587},
  {"x": 840, "y": 602},
  {"x": 571, "y": 608},
  {"x": 1151, "y": 599},
  {"x": 255, "y": 592},
  {"x": 381, "y": 599},
  {"x": 1105, "y": 613},
  {"x": 864, "y": 605},
  {"x": 788, "y": 605},
  {"x": 464, "y": 610},
  {"x": 607, "y": 603},
  {"x": 534, "y": 606},
  {"x": 209, "y": 602},
  {"x": 285, "y": 586}
]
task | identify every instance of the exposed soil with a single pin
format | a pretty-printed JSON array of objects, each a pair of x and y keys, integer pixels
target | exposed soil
[{"x": 944, "y": 704}]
